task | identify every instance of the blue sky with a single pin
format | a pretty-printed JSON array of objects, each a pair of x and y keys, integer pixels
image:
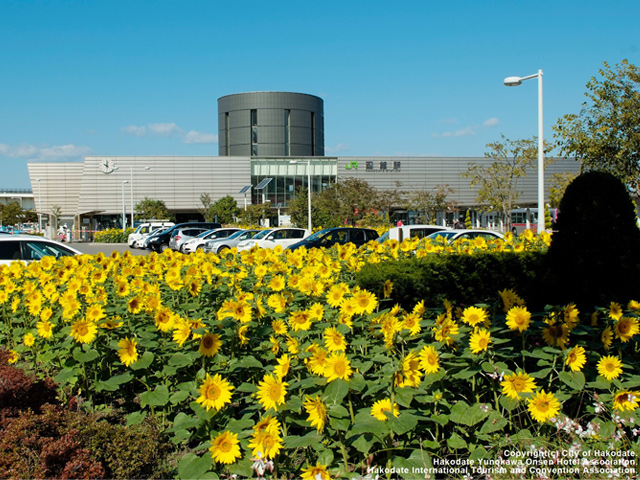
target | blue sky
[{"x": 397, "y": 78}]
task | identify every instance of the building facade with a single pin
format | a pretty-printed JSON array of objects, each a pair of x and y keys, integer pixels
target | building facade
[
  {"x": 280, "y": 124},
  {"x": 271, "y": 144}
]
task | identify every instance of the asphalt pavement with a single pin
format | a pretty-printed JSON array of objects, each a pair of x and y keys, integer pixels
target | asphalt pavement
[{"x": 107, "y": 248}]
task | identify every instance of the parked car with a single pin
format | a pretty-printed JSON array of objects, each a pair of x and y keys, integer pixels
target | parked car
[
  {"x": 338, "y": 235},
  {"x": 194, "y": 244},
  {"x": 283, "y": 236},
  {"x": 145, "y": 229},
  {"x": 469, "y": 234},
  {"x": 144, "y": 241},
  {"x": 217, "y": 245},
  {"x": 28, "y": 248},
  {"x": 410, "y": 231},
  {"x": 160, "y": 242},
  {"x": 182, "y": 235}
]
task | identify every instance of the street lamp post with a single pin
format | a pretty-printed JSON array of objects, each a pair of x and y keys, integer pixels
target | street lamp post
[
  {"x": 39, "y": 204},
  {"x": 124, "y": 208},
  {"x": 132, "y": 210},
  {"x": 514, "y": 82},
  {"x": 308, "y": 192}
]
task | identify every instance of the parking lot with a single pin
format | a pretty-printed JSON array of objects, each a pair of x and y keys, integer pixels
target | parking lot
[{"x": 107, "y": 248}]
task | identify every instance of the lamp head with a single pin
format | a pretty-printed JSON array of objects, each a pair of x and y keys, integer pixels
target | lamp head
[{"x": 513, "y": 81}]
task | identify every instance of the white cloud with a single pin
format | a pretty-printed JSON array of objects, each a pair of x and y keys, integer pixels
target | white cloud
[
  {"x": 164, "y": 129},
  {"x": 200, "y": 137},
  {"x": 491, "y": 122},
  {"x": 134, "y": 130},
  {"x": 63, "y": 151},
  {"x": 464, "y": 132},
  {"x": 56, "y": 152}
]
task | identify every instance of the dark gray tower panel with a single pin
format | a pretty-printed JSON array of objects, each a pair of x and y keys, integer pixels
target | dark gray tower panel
[{"x": 265, "y": 124}]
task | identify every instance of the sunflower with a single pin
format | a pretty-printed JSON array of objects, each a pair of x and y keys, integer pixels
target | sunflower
[
  {"x": 626, "y": 328},
  {"x": 607, "y": 338},
  {"x": 13, "y": 356},
  {"x": 209, "y": 344},
  {"x": 135, "y": 305},
  {"x": 45, "y": 328},
  {"x": 411, "y": 322},
  {"x": 610, "y": 367},
  {"x": 292, "y": 345},
  {"x": 225, "y": 448},
  {"x": 319, "y": 472},
  {"x": 429, "y": 360},
  {"x": 409, "y": 374},
  {"x": 128, "y": 352},
  {"x": 615, "y": 311},
  {"x": 518, "y": 318},
  {"x": 336, "y": 294},
  {"x": 366, "y": 302},
  {"x": 517, "y": 383},
  {"x": 510, "y": 298},
  {"x": 387, "y": 288},
  {"x": 300, "y": 320},
  {"x": 242, "y": 334},
  {"x": 318, "y": 360},
  {"x": 28, "y": 339},
  {"x": 474, "y": 316},
  {"x": 279, "y": 327},
  {"x": 543, "y": 406},
  {"x": 480, "y": 340},
  {"x": 556, "y": 334},
  {"x": 84, "y": 331},
  {"x": 576, "y": 359},
  {"x": 626, "y": 400},
  {"x": 337, "y": 366},
  {"x": 634, "y": 305},
  {"x": 571, "y": 313},
  {"x": 268, "y": 423},
  {"x": 381, "y": 406},
  {"x": 284, "y": 364},
  {"x": 445, "y": 331},
  {"x": 277, "y": 283},
  {"x": 334, "y": 340},
  {"x": 214, "y": 392},
  {"x": 317, "y": 412},
  {"x": 271, "y": 392},
  {"x": 181, "y": 331},
  {"x": 265, "y": 444}
]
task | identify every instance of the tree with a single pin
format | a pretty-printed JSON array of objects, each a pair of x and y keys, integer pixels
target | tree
[
  {"x": 430, "y": 202},
  {"x": 558, "y": 185},
  {"x": 253, "y": 213},
  {"x": 347, "y": 201},
  {"x": 225, "y": 209},
  {"x": 12, "y": 213},
  {"x": 604, "y": 135},
  {"x": 498, "y": 182},
  {"x": 205, "y": 211},
  {"x": 149, "y": 209}
]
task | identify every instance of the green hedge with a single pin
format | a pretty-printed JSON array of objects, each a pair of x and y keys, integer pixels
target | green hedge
[
  {"x": 464, "y": 279},
  {"x": 113, "y": 235}
]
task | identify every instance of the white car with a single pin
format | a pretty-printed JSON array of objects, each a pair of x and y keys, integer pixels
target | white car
[
  {"x": 217, "y": 245},
  {"x": 194, "y": 244},
  {"x": 283, "y": 236},
  {"x": 461, "y": 234},
  {"x": 145, "y": 229},
  {"x": 28, "y": 248}
]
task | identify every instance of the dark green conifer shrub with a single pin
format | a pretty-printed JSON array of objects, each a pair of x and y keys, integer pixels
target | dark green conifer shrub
[{"x": 594, "y": 257}]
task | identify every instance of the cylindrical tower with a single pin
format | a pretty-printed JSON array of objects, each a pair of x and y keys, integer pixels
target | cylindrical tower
[{"x": 270, "y": 124}]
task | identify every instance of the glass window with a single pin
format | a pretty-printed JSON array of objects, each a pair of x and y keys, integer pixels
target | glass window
[
  {"x": 36, "y": 250},
  {"x": 10, "y": 250}
]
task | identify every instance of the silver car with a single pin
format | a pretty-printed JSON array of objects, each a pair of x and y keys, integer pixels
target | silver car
[
  {"x": 217, "y": 245},
  {"x": 197, "y": 243},
  {"x": 181, "y": 235}
]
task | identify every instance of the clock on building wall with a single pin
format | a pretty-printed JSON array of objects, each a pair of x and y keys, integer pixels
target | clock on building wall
[{"x": 107, "y": 166}]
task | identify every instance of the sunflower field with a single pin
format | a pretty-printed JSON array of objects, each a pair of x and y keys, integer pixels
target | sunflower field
[{"x": 275, "y": 364}]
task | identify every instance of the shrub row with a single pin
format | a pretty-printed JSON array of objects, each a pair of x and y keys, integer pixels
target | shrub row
[
  {"x": 113, "y": 235},
  {"x": 40, "y": 438},
  {"x": 461, "y": 279}
]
